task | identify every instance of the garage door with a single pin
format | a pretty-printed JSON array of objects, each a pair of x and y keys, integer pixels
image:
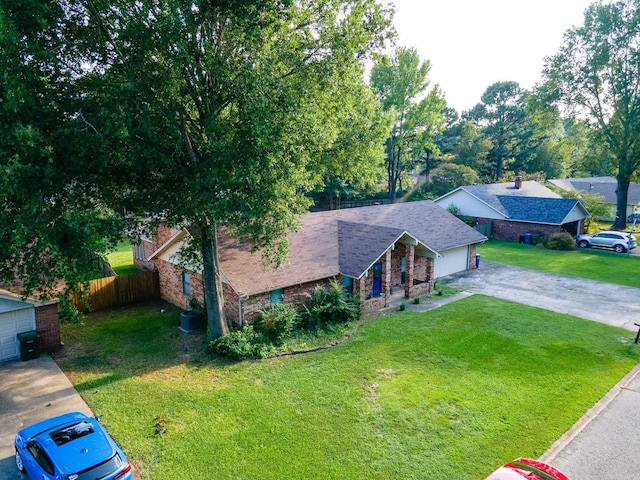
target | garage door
[
  {"x": 15, "y": 317},
  {"x": 452, "y": 261}
]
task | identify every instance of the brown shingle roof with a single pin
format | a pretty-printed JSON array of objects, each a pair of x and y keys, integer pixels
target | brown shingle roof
[{"x": 343, "y": 241}]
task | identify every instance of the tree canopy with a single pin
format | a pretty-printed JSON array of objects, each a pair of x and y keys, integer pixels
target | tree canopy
[
  {"x": 596, "y": 75},
  {"x": 213, "y": 113},
  {"x": 53, "y": 225},
  {"x": 401, "y": 84}
]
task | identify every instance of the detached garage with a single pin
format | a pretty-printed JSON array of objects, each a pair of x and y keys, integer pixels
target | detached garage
[{"x": 18, "y": 316}]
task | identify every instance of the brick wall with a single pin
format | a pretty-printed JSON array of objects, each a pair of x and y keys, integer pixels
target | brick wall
[
  {"x": 147, "y": 247},
  {"x": 171, "y": 285},
  {"x": 230, "y": 303},
  {"x": 397, "y": 255},
  {"x": 48, "y": 327},
  {"x": 472, "y": 257},
  {"x": 506, "y": 230},
  {"x": 171, "y": 290},
  {"x": 293, "y": 295}
]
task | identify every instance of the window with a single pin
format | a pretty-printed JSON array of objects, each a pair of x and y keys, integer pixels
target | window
[
  {"x": 277, "y": 296},
  {"x": 186, "y": 283},
  {"x": 347, "y": 284},
  {"x": 67, "y": 434},
  {"x": 41, "y": 457},
  {"x": 403, "y": 270}
]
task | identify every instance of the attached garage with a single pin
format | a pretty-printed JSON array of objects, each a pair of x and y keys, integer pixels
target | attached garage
[
  {"x": 15, "y": 317},
  {"x": 452, "y": 261}
]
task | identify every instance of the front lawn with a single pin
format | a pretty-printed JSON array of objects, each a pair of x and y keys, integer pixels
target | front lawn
[
  {"x": 447, "y": 394},
  {"x": 594, "y": 264}
]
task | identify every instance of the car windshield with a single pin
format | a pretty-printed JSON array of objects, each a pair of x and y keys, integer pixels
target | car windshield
[
  {"x": 67, "y": 434},
  {"x": 99, "y": 471}
]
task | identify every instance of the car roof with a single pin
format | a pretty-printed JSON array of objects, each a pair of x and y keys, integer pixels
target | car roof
[
  {"x": 91, "y": 447},
  {"x": 614, "y": 231}
]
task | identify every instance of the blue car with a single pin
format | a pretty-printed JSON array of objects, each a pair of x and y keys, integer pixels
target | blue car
[{"x": 72, "y": 446}]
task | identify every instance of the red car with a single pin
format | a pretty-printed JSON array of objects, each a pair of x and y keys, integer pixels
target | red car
[{"x": 527, "y": 469}]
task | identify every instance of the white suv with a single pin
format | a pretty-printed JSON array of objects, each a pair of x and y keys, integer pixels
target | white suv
[{"x": 619, "y": 241}]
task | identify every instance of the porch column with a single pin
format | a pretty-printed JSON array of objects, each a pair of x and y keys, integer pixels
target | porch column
[
  {"x": 409, "y": 273},
  {"x": 360, "y": 286},
  {"x": 386, "y": 279},
  {"x": 430, "y": 269}
]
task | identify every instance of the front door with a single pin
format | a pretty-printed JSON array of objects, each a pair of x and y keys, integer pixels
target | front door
[{"x": 377, "y": 279}]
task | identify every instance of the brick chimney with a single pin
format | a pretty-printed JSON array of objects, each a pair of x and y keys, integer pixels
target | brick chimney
[{"x": 518, "y": 182}]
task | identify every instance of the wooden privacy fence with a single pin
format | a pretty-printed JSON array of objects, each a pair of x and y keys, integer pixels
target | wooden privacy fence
[
  {"x": 486, "y": 229},
  {"x": 118, "y": 291}
]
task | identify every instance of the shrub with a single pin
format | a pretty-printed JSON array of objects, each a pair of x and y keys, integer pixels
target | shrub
[
  {"x": 275, "y": 322},
  {"x": 560, "y": 241},
  {"x": 239, "y": 344},
  {"x": 68, "y": 313},
  {"x": 327, "y": 306}
]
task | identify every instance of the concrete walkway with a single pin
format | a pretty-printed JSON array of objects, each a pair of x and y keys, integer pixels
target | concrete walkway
[{"x": 29, "y": 392}]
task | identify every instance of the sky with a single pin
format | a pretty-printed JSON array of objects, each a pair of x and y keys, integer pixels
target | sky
[{"x": 473, "y": 44}]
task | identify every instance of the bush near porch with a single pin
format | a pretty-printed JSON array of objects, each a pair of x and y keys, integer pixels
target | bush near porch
[{"x": 450, "y": 393}]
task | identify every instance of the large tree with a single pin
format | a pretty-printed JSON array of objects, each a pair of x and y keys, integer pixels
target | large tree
[
  {"x": 401, "y": 83},
  {"x": 53, "y": 223},
  {"x": 353, "y": 165},
  {"x": 502, "y": 116},
  {"x": 216, "y": 113},
  {"x": 596, "y": 75}
]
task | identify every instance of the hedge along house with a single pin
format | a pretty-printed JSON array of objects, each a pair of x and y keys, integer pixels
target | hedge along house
[
  {"x": 509, "y": 211},
  {"x": 374, "y": 252}
]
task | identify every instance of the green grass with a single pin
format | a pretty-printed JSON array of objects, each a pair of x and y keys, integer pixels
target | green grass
[
  {"x": 121, "y": 260},
  {"x": 593, "y": 264},
  {"x": 447, "y": 394}
]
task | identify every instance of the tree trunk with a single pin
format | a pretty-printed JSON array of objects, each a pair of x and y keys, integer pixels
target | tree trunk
[
  {"x": 391, "y": 178},
  {"x": 214, "y": 299},
  {"x": 622, "y": 191}
]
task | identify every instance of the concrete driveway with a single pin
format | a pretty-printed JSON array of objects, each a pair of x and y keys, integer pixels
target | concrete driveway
[
  {"x": 29, "y": 392},
  {"x": 604, "y": 443},
  {"x": 602, "y": 302}
]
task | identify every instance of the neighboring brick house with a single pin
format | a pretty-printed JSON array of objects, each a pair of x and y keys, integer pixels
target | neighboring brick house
[
  {"x": 510, "y": 211},
  {"x": 374, "y": 252}
]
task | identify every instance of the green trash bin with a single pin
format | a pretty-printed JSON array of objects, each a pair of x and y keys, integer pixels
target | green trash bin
[{"x": 29, "y": 345}]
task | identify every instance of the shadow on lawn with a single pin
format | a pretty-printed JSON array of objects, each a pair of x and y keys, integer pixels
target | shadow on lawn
[{"x": 124, "y": 342}]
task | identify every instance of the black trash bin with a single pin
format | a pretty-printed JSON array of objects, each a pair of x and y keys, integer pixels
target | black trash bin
[{"x": 29, "y": 345}]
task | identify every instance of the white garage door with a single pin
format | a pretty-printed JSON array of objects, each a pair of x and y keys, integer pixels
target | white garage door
[
  {"x": 452, "y": 261},
  {"x": 15, "y": 317}
]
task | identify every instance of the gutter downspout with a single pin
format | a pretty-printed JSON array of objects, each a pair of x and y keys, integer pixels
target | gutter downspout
[{"x": 240, "y": 321}]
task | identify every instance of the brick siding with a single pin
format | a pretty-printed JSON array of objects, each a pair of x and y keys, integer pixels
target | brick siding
[
  {"x": 506, "y": 230},
  {"x": 293, "y": 295},
  {"x": 147, "y": 247},
  {"x": 171, "y": 285},
  {"x": 419, "y": 278},
  {"x": 48, "y": 327}
]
